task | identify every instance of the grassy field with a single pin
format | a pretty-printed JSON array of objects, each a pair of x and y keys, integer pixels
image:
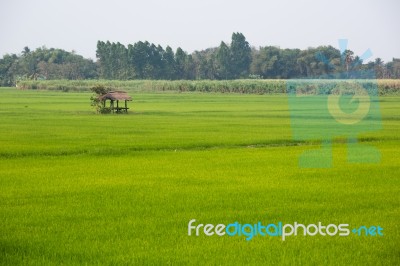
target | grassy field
[{"x": 81, "y": 188}]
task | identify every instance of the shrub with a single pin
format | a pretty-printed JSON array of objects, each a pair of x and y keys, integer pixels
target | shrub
[
  {"x": 95, "y": 101},
  {"x": 105, "y": 110}
]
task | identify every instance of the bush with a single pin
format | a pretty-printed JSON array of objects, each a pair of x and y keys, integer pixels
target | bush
[
  {"x": 105, "y": 110},
  {"x": 99, "y": 91}
]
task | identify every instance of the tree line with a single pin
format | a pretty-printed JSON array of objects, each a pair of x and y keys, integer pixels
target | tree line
[
  {"x": 44, "y": 63},
  {"x": 234, "y": 60}
]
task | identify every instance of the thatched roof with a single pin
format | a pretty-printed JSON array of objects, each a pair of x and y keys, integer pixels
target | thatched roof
[{"x": 116, "y": 96}]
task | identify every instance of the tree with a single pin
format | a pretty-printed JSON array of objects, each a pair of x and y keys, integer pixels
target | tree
[
  {"x": 6, "y": 71},
  {"x": 264, "y": 62},
  {"x": 393, "y": 68},
  {"x": 379, "y": 68},
  {"x": 180, "y": 60},
  {"x": 138, "y": 58},
  {"x": 190, "y": 68},
  {"x": 102, "y": 53},
  {"x": 144, "y": 60},
  {"x": 95, "y": 101},
  {"x": 26, "y": 51},
  {"x": 170, "y": 67},
  {"x": 224, "y": 61},
  {"x": 348, "y": 57},
  {"x": 286, "y": 63},
  {"x": 240, "y": 55}
]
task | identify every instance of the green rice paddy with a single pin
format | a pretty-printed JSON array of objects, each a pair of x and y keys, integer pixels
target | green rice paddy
[{"x": 82, "y": 188}]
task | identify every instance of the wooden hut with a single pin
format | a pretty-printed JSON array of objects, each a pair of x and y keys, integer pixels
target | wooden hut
[{"x": 115, "y": 97}]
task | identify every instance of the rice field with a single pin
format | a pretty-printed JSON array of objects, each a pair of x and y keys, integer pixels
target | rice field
[{"x": 82, "y": 188}]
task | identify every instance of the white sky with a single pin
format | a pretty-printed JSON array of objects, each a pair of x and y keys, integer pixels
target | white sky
[{"x": 196, "y": 25}]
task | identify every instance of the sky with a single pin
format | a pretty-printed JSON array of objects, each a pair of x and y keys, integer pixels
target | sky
[{"x": 196, "y": 25}]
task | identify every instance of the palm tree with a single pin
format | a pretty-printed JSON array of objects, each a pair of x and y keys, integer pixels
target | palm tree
[
  {"x": 26, "y": 51},
  {"x": 348, "y": 58}
]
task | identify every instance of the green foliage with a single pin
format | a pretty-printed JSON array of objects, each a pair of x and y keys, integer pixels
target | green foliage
[
  {"x": 240, "y": 55},
  {"x": 224, "y": 61},
  {"x": 7, "y": 75},
  {"x": 144, "y": 60},
  {"x": 44, "y": 63},
  {"x": 99, "y": 91},
  {"x": 104, "y": 110}
]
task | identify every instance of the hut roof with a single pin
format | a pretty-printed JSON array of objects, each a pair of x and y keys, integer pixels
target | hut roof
[{"x": 116, "y": 96}]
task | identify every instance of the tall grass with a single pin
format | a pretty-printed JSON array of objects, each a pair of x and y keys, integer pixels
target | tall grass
[
  {"x": 386, "y": 87},
  {"x": 232, "y": 86}
]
